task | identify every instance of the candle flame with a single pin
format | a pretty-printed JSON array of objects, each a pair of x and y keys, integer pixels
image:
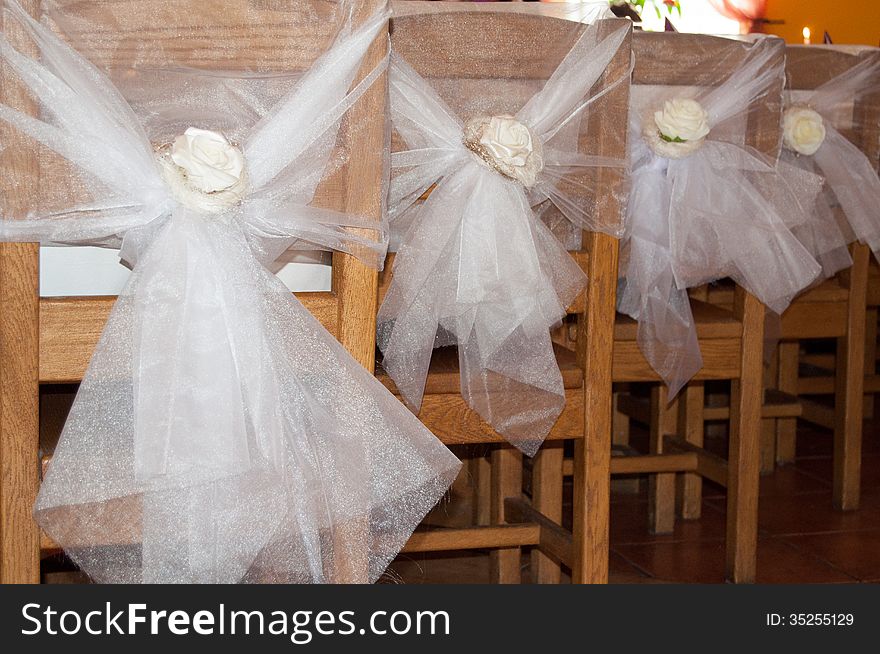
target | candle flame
[{"x": 807, "y": 34}]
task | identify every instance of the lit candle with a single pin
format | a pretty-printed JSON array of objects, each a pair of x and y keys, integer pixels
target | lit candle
[{"x": 806, "y": 36}]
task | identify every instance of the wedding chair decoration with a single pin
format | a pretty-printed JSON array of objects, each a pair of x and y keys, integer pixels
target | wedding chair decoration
[
  {"x": 685, "y": 214},
  {"x": 813, "y": 141},
  {"x": 484, "y": 60},
  {"x": 475, "y": 266},
  {"x": 218, "y": 425},
  {"x": 704, "y": 206},
  {"x": 830, "y": 128}
]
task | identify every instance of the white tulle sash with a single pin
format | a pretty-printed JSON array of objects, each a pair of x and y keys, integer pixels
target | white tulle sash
[
  {"x": 723, "y": 211},
  {"x": 475, "y": 267},
  {"x": 220, "y": 434}
]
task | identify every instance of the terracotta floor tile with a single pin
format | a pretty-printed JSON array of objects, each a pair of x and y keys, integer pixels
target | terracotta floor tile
[
  {"x": 856, "y": 553},
  {"x": 791, "y": 480},
  {"x": 812, "y": 513},
  {"x": 703, "y": 562},
  {"x": 817, "y": 467},
  {"x": 823, "y": 468},
  {"x": 629, "y": 524}
]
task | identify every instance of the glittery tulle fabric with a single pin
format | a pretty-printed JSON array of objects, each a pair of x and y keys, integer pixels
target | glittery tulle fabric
[
  {"x": 851, "y": 181},
  {"x": 220, "y": 434},
  {"x": 723, "y": 211},
  {"x": 475, "y": 266}
]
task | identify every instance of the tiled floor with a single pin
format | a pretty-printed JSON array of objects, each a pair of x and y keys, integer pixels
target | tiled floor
[{"x": 802, "y": 539}]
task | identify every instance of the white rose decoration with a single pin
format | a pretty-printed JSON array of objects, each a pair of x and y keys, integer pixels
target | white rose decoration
[
  {"x": 803, "y": 130},
  {"x": 679, "y": 128},
  {"x": 211, "y": 163},
  {"x": 204, "y": 170},
  {"x": 682, "y": 120},
  {"x": 507, "y": 139},
  {"x": 507, "y": 146}
]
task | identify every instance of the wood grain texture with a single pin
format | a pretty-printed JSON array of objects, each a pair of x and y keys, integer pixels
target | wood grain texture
[
  {"x": 506, "y": 476},
  {"x": 424, "y": 40},
  {"x": 743, "y": 449},
  {"x": 849, "y": 389},
  {"x": 553, "y": 539},
  {"x": 711, "y": 322},
  {"x": 661, "y": 488},
  {"x": 709, "y": 466},
  {"x": 19, "y": 414},
  {"x": 19, "y": 351},
  {"x": 721, "y": 360},
  {"x": 474, "y": 538},
  {"x": 592, "y": 455},
  {"x": 591, "y": 493},
  {"x": 70, "y": 329},
  {"x": 450, "y": 419},
  {"x": 547, "y": 499},
  {"x": 787, "y": 382},
  {"x": 246, "y": 35},
  {"x": 689, "y": 495}
]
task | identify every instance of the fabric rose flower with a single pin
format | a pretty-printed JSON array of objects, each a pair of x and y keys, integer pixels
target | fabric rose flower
[
  {"x": 211, "y": 163},
  {"x": 507, "y": 146},
  {"x": 507, "y": 139},
  {"x": 679, "y": 128},
  {"x": 204, "y": 170},
  {"x": 682, "y": 120},
  {"x": 803, "y": 130}
]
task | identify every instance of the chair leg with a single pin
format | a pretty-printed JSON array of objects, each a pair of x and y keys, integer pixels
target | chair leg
[
  {"x": 768, "y": 445},
  {"x": 849, "y": 390},
  {"x": 787, "y": 382},
  {"x": 661, "y": 508},
  {"x": 19, "y": 414},
  {"x": 592, "y": 454},
  {"x": 743, "y": 465},
  {"x": 504, "y": 564},
  {"x": 547, "y": 498},
  {"x": 481, "y": 494},
  {"x": 690, "y": 485}
]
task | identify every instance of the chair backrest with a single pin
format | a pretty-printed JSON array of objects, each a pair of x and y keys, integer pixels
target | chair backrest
[
  {"x": 867, "y": 113},
  {"x": 251, "y": 36},
  {"x": 808, "y": 68},
  {"x": 672, "y": 59},
  {"x": 467, "y": 51}
]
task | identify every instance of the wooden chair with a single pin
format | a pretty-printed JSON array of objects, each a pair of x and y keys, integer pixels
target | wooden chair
[
  {"x": 730, "y": 340},
  {"x": 488, "y": 33},
  {"x": 50, "y": 340},
  {"x": 835, "y": 309}
]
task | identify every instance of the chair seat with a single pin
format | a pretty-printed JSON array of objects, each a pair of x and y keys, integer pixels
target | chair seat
[
  {"x": 819, "y": 312},
  {"x": 444, "y": 374},
  {"x": 712, "y": 322},
  {"x": 831, "y": 290}
]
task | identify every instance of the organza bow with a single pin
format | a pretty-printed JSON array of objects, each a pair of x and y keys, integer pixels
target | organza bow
[
  {"x": 851, "y": 180},
  {"x": 218, "y": 424},
  {"x": 476, "y": 268},
  {"x": 721, "y": 211}
]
